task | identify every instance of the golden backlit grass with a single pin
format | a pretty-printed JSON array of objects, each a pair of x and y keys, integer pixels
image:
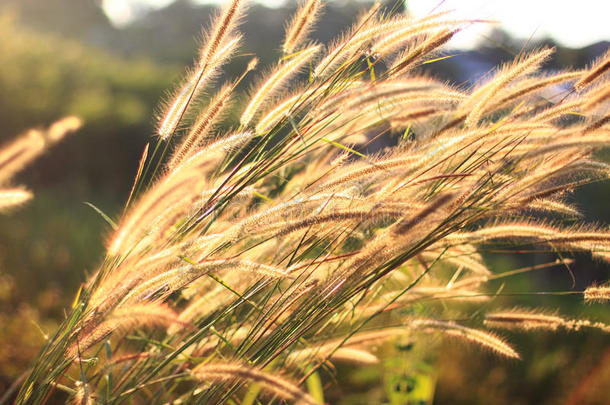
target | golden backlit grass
[{"x": 258, "y": 255}]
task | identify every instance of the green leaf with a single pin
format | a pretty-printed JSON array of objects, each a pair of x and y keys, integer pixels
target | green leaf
[
  {"x": 314, "y": 386},
  {"x": 103, "y": 215},
  {"x": 338, "y": 145}
]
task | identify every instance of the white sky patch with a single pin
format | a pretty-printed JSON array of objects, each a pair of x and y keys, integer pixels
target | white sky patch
[
  {"x": 122, "y": 12},
  {"x": 571, "y": 23}
]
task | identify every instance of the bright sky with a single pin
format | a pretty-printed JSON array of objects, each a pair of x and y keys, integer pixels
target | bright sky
[{"x": 572, "y": 23}]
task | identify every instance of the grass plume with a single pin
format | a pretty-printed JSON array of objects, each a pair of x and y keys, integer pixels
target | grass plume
[{"x": 258, "y": 255}]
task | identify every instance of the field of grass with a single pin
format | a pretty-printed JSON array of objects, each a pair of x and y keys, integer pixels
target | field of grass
[{"x": 267, "y": 252}]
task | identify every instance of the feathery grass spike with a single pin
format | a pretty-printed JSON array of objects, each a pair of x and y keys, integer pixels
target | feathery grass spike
[
  {"x": 281, "y": 73},
  {"x": 13, "y": 197},
  {"x": 301, "y": 24},
  {"x": 597, "y": 294},
  {"x": 482, "y": 96},
  {"x": 273, "y": 383}
]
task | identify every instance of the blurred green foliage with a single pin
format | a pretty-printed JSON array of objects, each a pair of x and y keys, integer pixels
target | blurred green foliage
[{"x": 43, "y": 77}]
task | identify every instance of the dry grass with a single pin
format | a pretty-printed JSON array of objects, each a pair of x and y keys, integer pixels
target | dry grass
[
  {"x": 16, "y": 155},
  {"x": 277, "y": 246}
]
